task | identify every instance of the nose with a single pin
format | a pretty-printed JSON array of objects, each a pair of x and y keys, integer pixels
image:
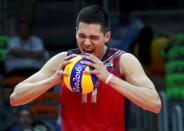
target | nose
[{"x": 87, "y": 42}]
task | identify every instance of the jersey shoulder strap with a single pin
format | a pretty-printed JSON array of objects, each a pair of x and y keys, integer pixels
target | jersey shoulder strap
[{"x": 73, "y": 51}]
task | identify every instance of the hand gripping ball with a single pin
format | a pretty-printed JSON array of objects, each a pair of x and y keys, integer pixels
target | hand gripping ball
[{"x": 77, "y": 81}]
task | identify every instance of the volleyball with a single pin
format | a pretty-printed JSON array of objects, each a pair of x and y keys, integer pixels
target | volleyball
[{"x": 77, "y": 81}]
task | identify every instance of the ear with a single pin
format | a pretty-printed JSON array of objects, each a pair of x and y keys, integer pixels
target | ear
[
  {"x": 107, "y": 36},
  {"x": 76, "y": 32}
]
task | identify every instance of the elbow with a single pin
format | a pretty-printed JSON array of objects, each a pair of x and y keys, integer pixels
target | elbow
[
  {"x": 157, "y": 106},
  {"x": 13, "y": 100}
]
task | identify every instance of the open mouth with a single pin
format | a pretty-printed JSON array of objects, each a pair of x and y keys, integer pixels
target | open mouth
[{"x": 90, "y": 51}]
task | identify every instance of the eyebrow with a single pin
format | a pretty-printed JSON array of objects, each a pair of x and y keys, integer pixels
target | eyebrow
[
  {"x": 89, "y": 36},
  {"x": 94, "y": 36}
]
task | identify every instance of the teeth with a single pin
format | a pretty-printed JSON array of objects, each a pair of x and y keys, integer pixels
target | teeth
[{"x": 89, "y": 51}]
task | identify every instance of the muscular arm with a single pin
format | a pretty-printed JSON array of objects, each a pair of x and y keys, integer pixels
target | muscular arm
[
  {"x": 138, "y": 87},
  {"x": 31, "y": 88}
]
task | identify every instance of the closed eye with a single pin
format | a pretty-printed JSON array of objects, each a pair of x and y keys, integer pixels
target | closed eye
[
  {"x": 94, "y": 38},
  {"x": 82, "y": 36}
]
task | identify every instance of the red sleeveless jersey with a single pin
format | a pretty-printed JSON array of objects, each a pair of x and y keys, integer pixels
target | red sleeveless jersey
[{"x": 107, "y": 114}]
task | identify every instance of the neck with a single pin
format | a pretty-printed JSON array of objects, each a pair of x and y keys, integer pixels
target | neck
[{"x": 104, "y": 51}]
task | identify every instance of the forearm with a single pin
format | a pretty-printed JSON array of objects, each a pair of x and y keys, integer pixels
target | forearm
[
  {"x": 26, "y": 92},
  {"x": 145, "y": 97}
]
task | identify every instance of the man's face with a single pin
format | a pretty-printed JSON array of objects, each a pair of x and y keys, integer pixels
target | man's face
[
  {"x": 25, "y": 118},
  {"x": 91, "y": 39}
]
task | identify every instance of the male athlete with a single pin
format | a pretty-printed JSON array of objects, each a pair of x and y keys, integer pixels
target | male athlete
[{"x": 120, "y": 74}]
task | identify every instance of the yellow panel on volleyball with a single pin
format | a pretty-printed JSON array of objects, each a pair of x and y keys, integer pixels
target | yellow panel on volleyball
[
  {"x": 87, "y": 82},
  {"x": 68, "y": 68}
]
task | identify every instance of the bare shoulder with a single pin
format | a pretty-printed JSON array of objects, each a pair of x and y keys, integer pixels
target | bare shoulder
[
  {"x": 128, "y": 57},
  {"x": 129, "y": 63},
  {"x": 53, "y": 63},
  {"x": 133, "y": 71}
]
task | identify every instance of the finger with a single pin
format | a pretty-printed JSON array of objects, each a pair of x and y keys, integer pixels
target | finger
[
  {"x": 66, "y": 63},
  {"x": 88, "y": 54},
  {"x": 68, "y": 60},
  {"x": 65, "y": 74},
  {"x": 62, "y": 73},
  {"x": 70, "y": 56},
  {"x": 88, "y": 63},
  {"x": 90, "y": 72},
  {"x": 91, "y": 55},
  {"x": 89, "y": 58}
]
